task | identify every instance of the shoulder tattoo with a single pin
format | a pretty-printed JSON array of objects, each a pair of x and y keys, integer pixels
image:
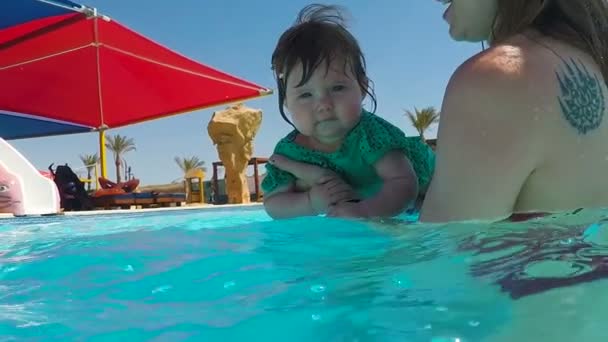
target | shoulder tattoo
[{"x": 581, "y": 96}]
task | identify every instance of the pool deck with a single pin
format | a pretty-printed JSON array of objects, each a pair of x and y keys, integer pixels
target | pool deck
[{"x": 147, "y": 210}]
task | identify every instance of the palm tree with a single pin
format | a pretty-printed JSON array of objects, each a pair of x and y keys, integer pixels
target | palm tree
[
  {"x": 90, "y": 162},
  {"x": 187, "y": 164},
  {"x": 423, "y": 119},
  {"x": 119, "y": 145}
]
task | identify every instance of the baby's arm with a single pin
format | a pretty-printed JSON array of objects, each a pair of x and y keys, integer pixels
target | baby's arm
[
  {"x": 286, "y": 202},
  {"x": 303, "y": 200},
  {"x": 313, "y": 191},
  {"x": 399, "y": 190}
]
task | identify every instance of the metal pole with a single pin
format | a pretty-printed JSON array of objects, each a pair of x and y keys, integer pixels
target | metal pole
[
  {"x": 53, "y": 3},
  {"x": 102, "y": 153}
]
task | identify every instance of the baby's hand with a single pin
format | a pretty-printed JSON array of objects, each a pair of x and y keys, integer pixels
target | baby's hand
[{"x": 329, "y": 191}]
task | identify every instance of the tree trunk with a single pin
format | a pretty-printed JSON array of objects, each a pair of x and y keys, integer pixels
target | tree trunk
[
  {"x": 117, "y": 171},
  {"x": 422, "y": 135}
]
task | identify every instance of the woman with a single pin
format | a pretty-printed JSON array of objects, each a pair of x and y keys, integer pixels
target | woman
[{"x": 522, "y": 126}]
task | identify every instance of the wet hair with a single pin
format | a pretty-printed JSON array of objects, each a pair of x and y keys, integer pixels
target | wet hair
[
  {"x": 581, "y": 23},
  {"x": 318, "y": 36}
]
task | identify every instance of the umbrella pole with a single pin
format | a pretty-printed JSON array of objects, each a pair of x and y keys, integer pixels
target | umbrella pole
[{"x": 102, "y": 152}]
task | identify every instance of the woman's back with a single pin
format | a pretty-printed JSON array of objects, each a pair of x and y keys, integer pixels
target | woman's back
[
  {"x": 567, "y": 111},
  {"x": 522, "y": 130}
]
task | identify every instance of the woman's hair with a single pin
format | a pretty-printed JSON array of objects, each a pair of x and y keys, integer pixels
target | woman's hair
[
  {"x": 581, "y": 23},
  {"x": 318, "y": 36}
]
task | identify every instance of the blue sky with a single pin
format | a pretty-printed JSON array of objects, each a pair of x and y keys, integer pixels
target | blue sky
[{"x": 408, "y": 50}]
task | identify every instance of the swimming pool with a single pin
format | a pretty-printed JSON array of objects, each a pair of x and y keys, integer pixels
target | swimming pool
[{"x": 236, "y": 275}]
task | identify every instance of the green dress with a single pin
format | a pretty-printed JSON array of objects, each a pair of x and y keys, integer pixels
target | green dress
[{"x": 354, "y": 161}]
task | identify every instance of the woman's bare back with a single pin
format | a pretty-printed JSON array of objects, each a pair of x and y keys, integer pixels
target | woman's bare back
[
  {"x": 522, "y": 130},
  {"x": 569, "y": 114}
]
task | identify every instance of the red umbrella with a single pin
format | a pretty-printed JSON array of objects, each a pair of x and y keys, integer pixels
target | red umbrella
[{"x": 79, "y": 71}]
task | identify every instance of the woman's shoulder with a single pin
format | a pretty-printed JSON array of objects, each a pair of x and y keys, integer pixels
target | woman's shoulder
[
  {"x": 498, "y": 90},
  {"x": 505, "y": 74},
  {"x": 504, "y": 62},
  {"x": 519, "y": 60}
]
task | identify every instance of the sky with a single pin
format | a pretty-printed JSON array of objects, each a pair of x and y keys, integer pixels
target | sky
[{"x": 410, "y": 58}]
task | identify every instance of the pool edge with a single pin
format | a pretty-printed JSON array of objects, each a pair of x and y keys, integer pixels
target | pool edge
[{"x": 209, "y": 207}]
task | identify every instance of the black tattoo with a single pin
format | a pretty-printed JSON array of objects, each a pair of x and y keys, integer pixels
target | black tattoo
[{"x": 582, "y": 98}]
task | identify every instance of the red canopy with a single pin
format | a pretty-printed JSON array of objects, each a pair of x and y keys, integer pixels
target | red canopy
[{"x": 80, "y": 71}]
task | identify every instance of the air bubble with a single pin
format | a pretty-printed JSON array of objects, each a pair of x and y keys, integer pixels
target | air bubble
[
  {"x": 163, "y": 288},
  {"x": 317, "y": 288}
]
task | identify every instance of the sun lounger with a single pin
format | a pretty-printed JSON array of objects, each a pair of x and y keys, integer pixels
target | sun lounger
[{"x": 143, "y": 199}]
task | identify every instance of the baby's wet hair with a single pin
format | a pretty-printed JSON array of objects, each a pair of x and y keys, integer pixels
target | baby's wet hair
[{"x": 318, "y": 36}]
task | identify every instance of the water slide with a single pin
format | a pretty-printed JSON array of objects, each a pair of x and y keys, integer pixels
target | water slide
[{"x": 23, "y": 190}]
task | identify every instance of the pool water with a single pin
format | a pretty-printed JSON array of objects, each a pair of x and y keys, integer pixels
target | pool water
[{"x": 236, "y": 275}]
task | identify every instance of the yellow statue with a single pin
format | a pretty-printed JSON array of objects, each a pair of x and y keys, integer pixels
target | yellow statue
[{"x": 232, "y": 131}]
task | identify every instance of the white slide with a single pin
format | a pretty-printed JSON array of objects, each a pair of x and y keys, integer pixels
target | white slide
[{"x": 23, "y": 190}]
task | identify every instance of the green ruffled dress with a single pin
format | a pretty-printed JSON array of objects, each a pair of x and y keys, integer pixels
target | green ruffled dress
[{"x": 354, "y": 161}]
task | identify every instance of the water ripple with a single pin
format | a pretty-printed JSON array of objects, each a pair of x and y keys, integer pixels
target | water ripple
[{"x": 228, "y": 277}]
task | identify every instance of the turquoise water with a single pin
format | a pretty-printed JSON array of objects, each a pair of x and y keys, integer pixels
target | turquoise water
[{"x": 236, "y": 275}]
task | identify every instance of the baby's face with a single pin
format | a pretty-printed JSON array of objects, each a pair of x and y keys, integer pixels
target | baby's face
[
  {"x": 328, "y": 105},
  {"x": 470, "y": 20},
  {"x": 10, "y": 193}
]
